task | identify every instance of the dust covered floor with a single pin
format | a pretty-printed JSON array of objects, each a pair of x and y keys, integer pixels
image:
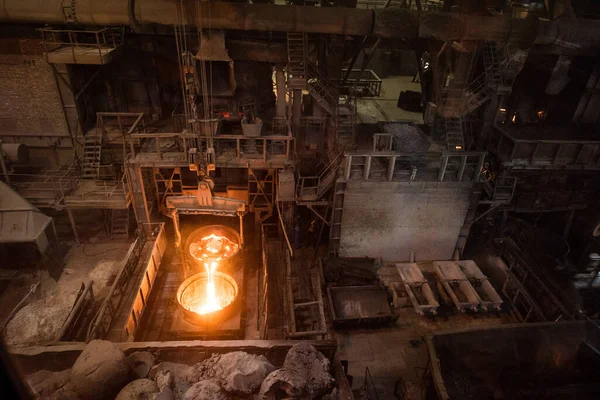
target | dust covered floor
[
  {"x": 40, "y": 317},
  {"x": 398, "y": 351},
  {"x": 371, "y": 110}
]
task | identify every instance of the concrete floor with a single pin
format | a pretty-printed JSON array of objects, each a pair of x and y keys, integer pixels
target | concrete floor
[
  {"x": 371, "y": 110},
  {"x": 398, "y": 351}
]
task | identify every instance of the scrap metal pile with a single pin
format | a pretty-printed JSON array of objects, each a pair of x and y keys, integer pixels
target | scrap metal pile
[{"x": 102, "y": 371}]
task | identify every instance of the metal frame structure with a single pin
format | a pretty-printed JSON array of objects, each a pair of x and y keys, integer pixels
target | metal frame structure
[
  {"x": 121, "y": 313},
  {"x": 82, "y": 46},
  {"x": 544, "y": 154},
  {"x": 369, "y": 84}
]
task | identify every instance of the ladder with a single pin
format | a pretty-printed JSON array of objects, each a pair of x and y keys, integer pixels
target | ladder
[
  {"x": 492, "y": 64},
  {"x": 504, "y": 189},
  {"x": 335, "y": 231},
  {"x": 344, "y": 123},
  {"x": 296, "y": 69},
  {"x": 92, "y": 153},
  {"x": 455, "y": 140},
  {"x": 119, "y": 223}
]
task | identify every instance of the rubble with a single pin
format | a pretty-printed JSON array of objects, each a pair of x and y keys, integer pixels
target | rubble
[
  {"x": 237, "y": 372},
  {"x": 66, "y": 392},
  {"x": 178, "y": 377},
  {"x": 306, "y": 361},
  {"x": 205, "y": 390},
  {"x": 102, "y": 370},
  {"x": 140, "y": 363},
  {"x": 283, "y": 383},
  {"x": 165, "y": 394},
  {"x": 43, "y": 383},
  {"x": 99, "y": 371},
  {"x": 140, "y": 389},
  {"x": 164, "y": 379}
]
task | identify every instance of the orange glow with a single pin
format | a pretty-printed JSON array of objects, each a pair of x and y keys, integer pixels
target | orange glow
[
  {"x": 210, "y": 250},
  {"x": 213, "y": 247},
  {"x": 211, "y": 301}
]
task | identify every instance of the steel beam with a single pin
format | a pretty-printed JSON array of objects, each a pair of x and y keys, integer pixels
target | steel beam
[{"x": 386, "y": 23}]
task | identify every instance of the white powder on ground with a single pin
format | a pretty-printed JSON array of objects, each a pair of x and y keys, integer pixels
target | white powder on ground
[{"x": 41, "y": 321}]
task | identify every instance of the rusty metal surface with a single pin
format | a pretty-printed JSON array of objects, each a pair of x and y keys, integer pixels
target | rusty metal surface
[
  {"x": 359, "y": 305},
  {"x": 457, "y": 286},
  {"x": 417, "y": 288},
  {"x": 396, "y": 23},
  {"x": 214, "y": 318}
]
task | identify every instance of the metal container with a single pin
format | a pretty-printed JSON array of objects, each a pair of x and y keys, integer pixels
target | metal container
[
  {"x": 231, "y": 234},
  {"x": 360, "y": 305},
  {"x": 252, "y": 130},
  {"x": 194, "y": 286}
]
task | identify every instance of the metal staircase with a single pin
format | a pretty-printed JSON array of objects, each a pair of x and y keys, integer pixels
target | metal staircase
[
  {"x": 492, "y": 62},
  {"x": 296, "y": 69},
  {"x": 92, "y": 153},
  {"x": 313, "y": 188},
  {"x": 344, "y": 123},
  {"x": 322, "y": 89},
  {"x": 335, "y": 230},
  {"x": 497, "y": 77},
  {"x": 455, "y": 140},
  {"x": 325, "y": 92},
  {"x": 119, "y": 223},
  {"x": 504, "y": 189}
]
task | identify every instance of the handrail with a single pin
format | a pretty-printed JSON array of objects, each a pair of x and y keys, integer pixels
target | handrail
[
  {"x": 544, "y": 141},
  {"x": 115, "y": 35},
  {"x": 333, "y": 164},
  {"x": 331, "y": 91},
  {"x": 285, "y": 234},
  {"x": 123, "y": 276},
  {"x": 75, "y": 30}
]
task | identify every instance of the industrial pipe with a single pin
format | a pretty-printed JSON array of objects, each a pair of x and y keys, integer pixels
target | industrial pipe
[{"x": 388, "y": 23}]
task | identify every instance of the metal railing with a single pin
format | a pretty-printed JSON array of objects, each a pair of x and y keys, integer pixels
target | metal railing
[
  {"x": 366, "y": 84},
  {"x": 49, "y": 188},
  {"x": 393, "y": 166},
  {"x": 533, "y": 153},
  {"x": 321, "y": 84},
  {"x": 100, "y": 40},
  {"x": 111, "y": 309},
  {"x": 319, "y": 184},
  {"x": 108, "y": 190}
]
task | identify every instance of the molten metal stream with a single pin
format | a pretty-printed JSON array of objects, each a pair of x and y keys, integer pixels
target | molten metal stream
[{"x": 212, "y": 249}]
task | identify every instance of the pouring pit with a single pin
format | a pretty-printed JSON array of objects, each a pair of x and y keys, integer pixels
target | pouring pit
[{"x": 192, "y": 299}]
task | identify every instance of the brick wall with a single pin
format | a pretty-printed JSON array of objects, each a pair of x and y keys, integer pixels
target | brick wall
[{"x": 29, "y": 100}]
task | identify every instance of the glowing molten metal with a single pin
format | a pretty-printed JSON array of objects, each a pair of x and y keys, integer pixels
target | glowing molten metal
[{"x": 210, "y": 294}]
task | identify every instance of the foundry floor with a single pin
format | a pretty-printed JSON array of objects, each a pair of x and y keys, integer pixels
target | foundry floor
[
  {"x": 371, "y": 110},
  {"x": 398, "y": 351}
]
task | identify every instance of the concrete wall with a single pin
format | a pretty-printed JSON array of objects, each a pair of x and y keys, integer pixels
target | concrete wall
[
  {"x": 391, "y": 219},
  {"x": 30, "y": 106}
]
